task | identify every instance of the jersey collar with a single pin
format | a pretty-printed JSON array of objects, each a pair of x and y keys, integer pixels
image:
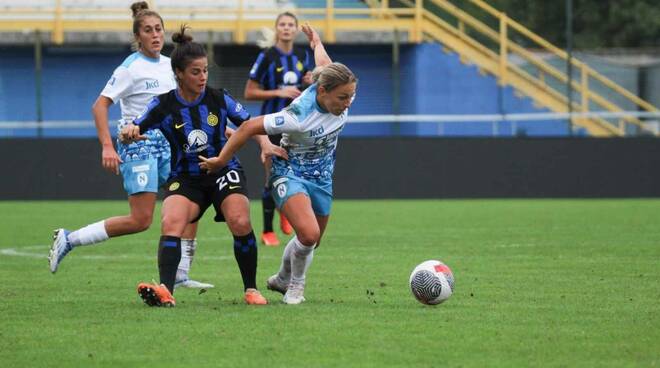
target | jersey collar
[
  {"x": 149, "y": 59},
  {"x": 186, "y": 103}
]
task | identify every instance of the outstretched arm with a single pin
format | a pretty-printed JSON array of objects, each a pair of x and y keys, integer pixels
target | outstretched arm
[
  {"x": 321, "y": 57},
  {"x": 250, "y": 128}
]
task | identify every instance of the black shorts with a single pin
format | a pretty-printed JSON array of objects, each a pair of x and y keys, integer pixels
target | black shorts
[
  {"x": 275, "y": 139},
  {"x": 206, "y": 190}
]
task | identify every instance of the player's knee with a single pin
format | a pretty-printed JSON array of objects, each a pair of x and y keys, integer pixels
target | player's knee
[
  {"x": 142, "y": 223},
  {"x": 239, "y": 224},
  {"x": 171, "y": 224},
  {"x": 309, "y": 236}
]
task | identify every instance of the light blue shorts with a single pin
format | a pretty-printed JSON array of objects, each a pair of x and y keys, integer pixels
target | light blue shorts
[
  {"x": 145, "y": 175},
  {"x": 283, "y": 187}
]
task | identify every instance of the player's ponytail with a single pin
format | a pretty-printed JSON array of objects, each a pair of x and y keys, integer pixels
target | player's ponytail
[
  {"x": 141, "y": 10},
  {"x": 185, "y": 50},
  {"x": 332, "y": 76}
]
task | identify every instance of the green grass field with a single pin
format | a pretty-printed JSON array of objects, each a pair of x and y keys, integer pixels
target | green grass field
[{"x": 538, "y": 283}]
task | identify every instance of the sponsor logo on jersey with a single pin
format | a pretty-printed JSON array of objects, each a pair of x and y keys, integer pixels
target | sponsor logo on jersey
[
  {"x": 197, "y": 141},
  {"x": 239, "y": 107},
  {"x": 279, "y": 121},
  {"x": 232, "y": 187},
  {"x": 174, "y": 186},
  {"x": 152, "y": 84},
  {"x": 212, "y": 119},
  {"x": 299, "y": 66},
  {"x": 316, "y": 132},
  {"x": 290, "y": 78},
  {"x": 279, "y": 69},
  {"x": 112, "y": 81},
  {"x": 178, "y": 126}
]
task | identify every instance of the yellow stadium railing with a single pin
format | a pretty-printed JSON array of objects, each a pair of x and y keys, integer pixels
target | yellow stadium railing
[{"x": 490, "y": 48}]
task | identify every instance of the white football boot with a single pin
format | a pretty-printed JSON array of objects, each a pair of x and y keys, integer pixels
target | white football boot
[
  {"x": 275, "y": 283},
  {"x": 59, "y": 249},
  {"x": 294, "y": 293}
]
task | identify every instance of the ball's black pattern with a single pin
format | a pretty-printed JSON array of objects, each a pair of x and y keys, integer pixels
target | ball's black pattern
[{"x": 426, "y": 286}]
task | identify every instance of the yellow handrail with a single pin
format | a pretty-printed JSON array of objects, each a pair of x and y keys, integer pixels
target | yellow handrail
[
  {"x": 564, "y": 56},
  {"x": 411, "y": 18}
]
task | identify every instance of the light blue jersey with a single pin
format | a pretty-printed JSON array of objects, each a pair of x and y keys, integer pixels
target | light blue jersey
[
  {"x": 133, "y": 84},
  {"x": 146, "y": 164},
  {"x": 310, "y": 136}
]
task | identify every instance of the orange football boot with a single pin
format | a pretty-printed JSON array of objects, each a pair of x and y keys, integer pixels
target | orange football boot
[
  {"x": 254, "y": 297},
  {"x": 270, "y": 239},
  {"x": 285, "y": 226},
  {"x": 155, "y": 295}
]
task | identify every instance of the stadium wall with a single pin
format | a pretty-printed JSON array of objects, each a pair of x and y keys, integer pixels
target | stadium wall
[
  {"x": 368, "y": 168},
  {"x": 431, "y": 81}
]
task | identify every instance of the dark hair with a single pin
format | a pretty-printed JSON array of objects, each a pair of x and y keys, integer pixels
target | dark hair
[
  {"x": 141, "y": 10},
  {"x": 185, "y": 50}
]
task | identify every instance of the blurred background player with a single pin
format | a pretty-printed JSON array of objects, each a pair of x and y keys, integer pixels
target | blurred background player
[
  {"x": 193, "y": 119},
  {"x": 144, "y": 165},
  {"x": 302, "y": 184},
  {"x": 280, "y": 73}
]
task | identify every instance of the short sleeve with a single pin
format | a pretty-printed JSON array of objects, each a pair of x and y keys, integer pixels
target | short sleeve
[
  {"x": 119, "y": 85},
  {"x": 152, "y": 117},
  {"x": 259, "y": 68},
  {"x": 281, "y": 122},
  {"x": 235, "y": 111}
]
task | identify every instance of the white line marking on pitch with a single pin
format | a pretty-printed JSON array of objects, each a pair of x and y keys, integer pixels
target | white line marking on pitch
[{"x": 43, "y": 253}]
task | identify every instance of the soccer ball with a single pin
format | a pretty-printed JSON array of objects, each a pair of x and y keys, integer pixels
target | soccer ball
[{"x": 432, "y": 282}]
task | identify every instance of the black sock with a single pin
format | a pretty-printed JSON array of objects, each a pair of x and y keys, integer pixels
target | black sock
[
  {"x": 245, "y": 251},
  {"x": 169, "y": 255},
  {"x": 268, "y": 205}
]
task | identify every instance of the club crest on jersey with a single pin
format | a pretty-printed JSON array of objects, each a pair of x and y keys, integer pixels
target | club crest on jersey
[
  {"x": 279, "y": 121},
  {"x": 281, "y": 190},
  {"x": 197, "y": 141},
  {"x": 142, "y": 179},
  {"x": 212, "y": 119}
]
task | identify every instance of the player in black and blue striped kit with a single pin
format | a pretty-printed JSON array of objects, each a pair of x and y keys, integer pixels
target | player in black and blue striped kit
[
  {"x": 193, "y": 119},
  {"x": 278, "y": 76}
]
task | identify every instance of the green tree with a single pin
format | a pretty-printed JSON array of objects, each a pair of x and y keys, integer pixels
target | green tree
[{"x": 597, "y": 23}]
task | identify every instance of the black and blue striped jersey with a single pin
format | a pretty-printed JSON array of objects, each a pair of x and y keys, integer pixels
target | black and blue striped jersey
[
  {"x": 193, "y": 128},
  {"x": 275, "y": 69}
]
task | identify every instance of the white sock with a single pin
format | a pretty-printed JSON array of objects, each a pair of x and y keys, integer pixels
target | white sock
[
  {"x": 188, "y": 247},
  {"x": 301, "y": 258},
  {"x": 90, "y": 234},
  {"x": 285, "y": 267}
]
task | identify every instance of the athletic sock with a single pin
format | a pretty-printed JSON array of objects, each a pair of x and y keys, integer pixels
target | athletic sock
[
  {"x": 169, "y": 255},
  {"x": 284, "y": 273},
  {"x": 90, "y": 234},
  {"x": 268, "y": 205},
  {"x": 245, "y": 251},
  {"x": 301, "y": 258},
  {"x": 188, "y": 247}
]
